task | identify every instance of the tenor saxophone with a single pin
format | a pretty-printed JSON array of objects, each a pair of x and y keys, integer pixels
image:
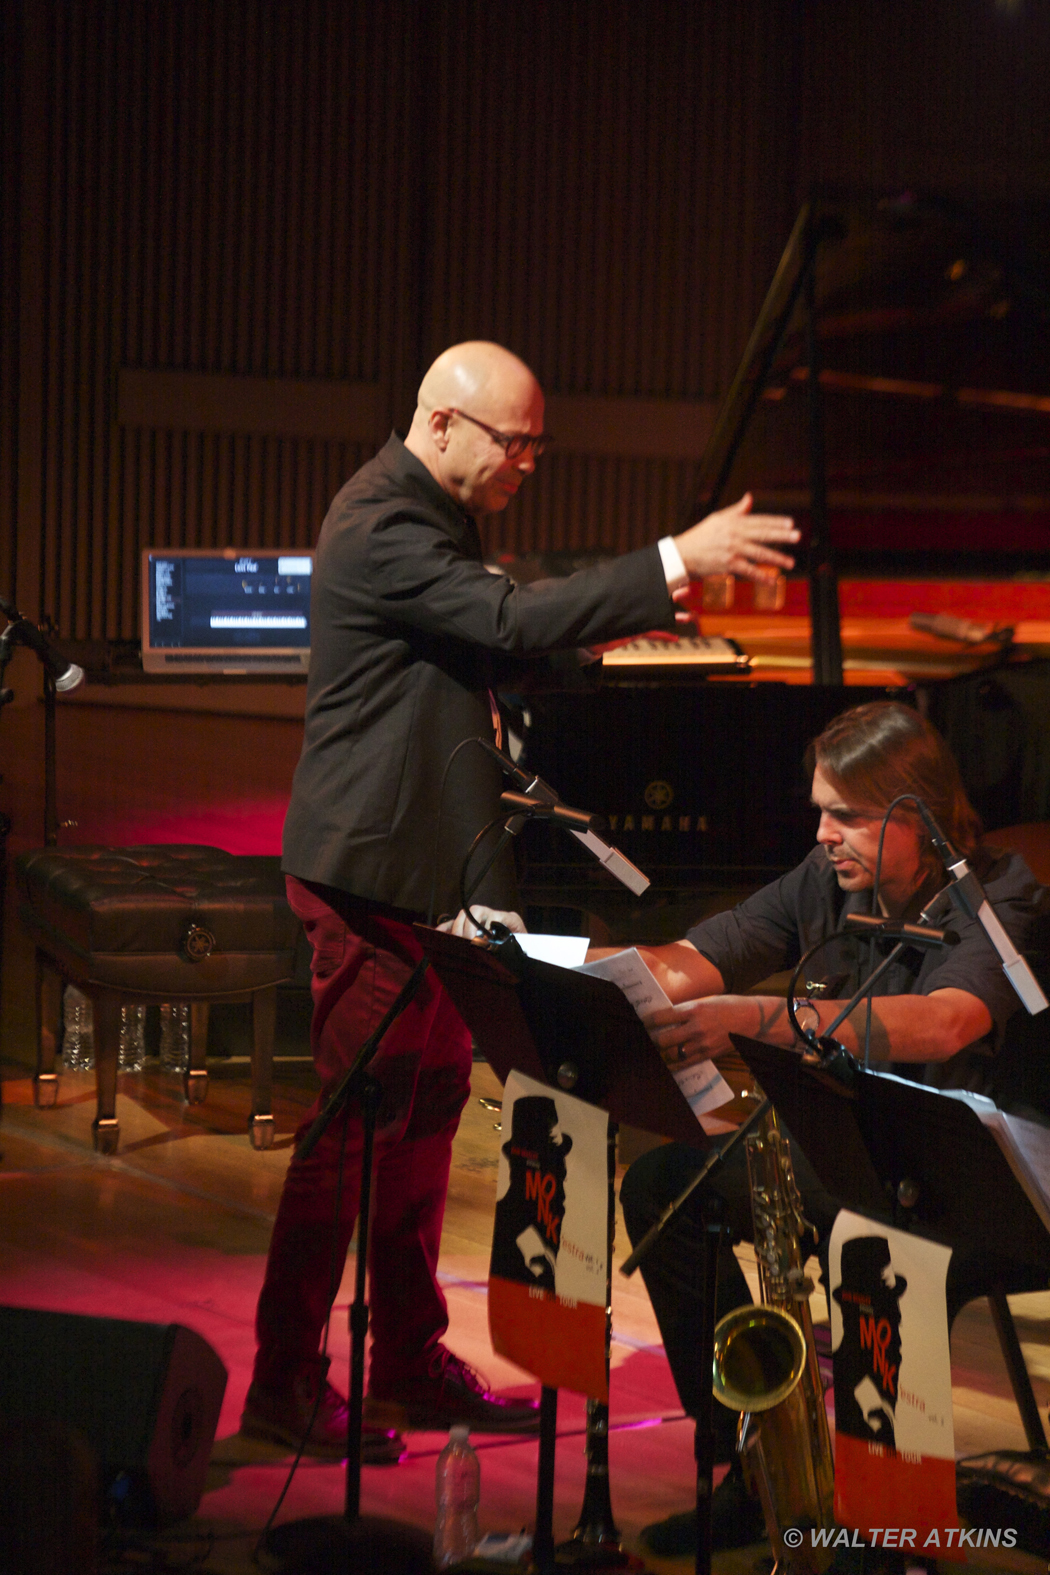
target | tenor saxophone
[{"x": 765, "y": 1366}]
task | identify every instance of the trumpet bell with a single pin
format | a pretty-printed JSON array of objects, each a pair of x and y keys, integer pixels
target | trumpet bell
[{"x": 759, "y": 1357}]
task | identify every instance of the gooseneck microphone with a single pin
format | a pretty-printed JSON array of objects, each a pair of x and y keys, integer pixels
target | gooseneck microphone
[
  {"x": 968, "y": 894},
  {"x": 543, "y": 801},
  {"x": 871, "y": 925},
  {"x": 539, "y": 809},
  {"x": 526, "y": 782}
]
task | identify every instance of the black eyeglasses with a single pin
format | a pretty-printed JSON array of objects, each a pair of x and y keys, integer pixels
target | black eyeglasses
[{"x": 513, "y": 444}]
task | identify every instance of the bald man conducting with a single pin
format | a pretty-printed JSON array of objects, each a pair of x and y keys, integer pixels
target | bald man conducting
[{"x": 412, "y": 640}]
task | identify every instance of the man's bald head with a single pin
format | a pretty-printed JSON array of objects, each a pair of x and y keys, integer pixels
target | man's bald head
[
  {"x": 475, "y": 370},
  {"x": 484, "y": 381}
]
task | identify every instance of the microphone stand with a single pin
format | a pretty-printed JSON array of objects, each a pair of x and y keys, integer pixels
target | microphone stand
[
  {"x": 714, "y": 1229},
  {"x": 6, "y": 696},
  {"x": 329, "y": 1543},
  {"x": 50, "y": 765},
  {"x": 58, "y": 674},
  {"x": 20, "y": 631}
]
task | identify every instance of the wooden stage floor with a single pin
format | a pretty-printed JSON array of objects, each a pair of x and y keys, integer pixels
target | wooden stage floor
[{"x": 175, "y": 1228}]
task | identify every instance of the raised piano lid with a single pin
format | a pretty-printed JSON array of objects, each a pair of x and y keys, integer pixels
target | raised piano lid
[{"x": 933, "y": 330}]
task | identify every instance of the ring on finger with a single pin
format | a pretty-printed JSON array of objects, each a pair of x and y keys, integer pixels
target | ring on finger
[{"x": 681, "y": 1052}]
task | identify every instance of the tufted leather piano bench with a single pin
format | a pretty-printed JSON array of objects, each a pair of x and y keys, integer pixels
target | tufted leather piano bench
[{"x": 157, "y": 923}]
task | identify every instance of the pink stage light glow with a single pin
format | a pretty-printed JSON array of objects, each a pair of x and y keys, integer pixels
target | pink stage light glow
[{"x": 242, "y": 826}]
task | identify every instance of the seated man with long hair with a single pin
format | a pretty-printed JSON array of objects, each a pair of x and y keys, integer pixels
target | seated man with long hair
[{"x": 938, "y": 1015}]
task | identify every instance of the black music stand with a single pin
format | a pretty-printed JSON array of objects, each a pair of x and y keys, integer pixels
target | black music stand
[
  {"x": 577, "y": 1033},
  {"x": 923, "y": 1160},
  {"x": 569, "y": 1029}
]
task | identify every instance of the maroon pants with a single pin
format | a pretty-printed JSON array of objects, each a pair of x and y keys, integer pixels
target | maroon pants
[{"x": 361, "y": 958}]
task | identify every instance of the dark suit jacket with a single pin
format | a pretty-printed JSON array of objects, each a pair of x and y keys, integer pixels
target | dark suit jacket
[{"x": 410, "y": 631}]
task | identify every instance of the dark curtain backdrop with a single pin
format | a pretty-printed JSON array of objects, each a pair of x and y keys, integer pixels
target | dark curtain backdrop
[{"x": 330, "y": 190}]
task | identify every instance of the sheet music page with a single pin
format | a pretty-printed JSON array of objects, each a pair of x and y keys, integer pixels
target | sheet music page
[
  {"x": 565, "y": 951},
  {"x": 1025, "y": 1144},
  {"x": 627, "y": 970},
  {"x": 703, "y": 1084}
]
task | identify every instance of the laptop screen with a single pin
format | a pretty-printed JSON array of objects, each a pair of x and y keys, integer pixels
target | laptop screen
[{"x": 226, "y": 610}]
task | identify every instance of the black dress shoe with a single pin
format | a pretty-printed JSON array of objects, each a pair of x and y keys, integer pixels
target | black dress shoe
[
  {"x": 736, "y": 1522},
  {"x": 445, "y": 1392},
  {"x": 283, "y": 1416}
]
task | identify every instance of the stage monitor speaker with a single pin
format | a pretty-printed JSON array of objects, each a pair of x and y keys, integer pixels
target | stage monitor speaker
[{"x": 145, "y": 1396}]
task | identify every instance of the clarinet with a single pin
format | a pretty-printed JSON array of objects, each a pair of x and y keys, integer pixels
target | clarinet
[{"x": 596, "y": 1527}]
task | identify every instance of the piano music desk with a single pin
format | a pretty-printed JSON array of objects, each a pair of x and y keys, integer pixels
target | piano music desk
[
  {"x": 876, "y": 650},
  {"x": 880, "y": 648}
]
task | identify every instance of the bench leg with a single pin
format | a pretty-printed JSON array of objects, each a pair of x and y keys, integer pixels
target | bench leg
[
  {"x": 106, "y": 1127},
  {"x": 196, "y": 1079},
  {"x": 48, "y": 1020},
  {"x": 264, "y": 1019}
]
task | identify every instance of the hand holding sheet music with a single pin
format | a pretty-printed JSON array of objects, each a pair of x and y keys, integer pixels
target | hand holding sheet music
[{"x": 701, "y": 1083}]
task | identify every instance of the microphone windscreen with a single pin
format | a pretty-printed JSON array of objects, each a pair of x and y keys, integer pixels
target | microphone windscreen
[{"x": 70, "y": 679}]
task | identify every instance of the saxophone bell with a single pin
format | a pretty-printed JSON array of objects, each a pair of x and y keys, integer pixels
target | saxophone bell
[{"x": 759, "y": 1356}]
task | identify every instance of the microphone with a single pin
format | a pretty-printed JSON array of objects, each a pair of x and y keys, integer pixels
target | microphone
[
  {"x": 535, "y": 789},
  {"x": 969, "y": 895},
  {"x": 525, "y": 781},
  {"x": 915, "y": 934},
  {"x": 66, "y": 675},
  {"x": 538, "y": 809}
]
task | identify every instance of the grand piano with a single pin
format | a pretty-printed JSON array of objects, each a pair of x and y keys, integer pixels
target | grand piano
[{"x": 894, "y": 396}]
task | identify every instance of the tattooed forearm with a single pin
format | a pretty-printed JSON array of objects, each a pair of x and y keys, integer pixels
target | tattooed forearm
[{"x": 772, "y": 1017}]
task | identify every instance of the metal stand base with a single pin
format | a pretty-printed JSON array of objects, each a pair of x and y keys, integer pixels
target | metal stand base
[
  {"x": 579, "y": 1555},
  {"x": 261, "y": 1130},
  {"x": 45, "y": 1090},
  {"x": 332, "y": 1545},
  {"x": 105, "y": 1131}
]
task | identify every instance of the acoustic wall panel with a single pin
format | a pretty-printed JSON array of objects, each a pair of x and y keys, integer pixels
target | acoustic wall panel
[
  {"x": 10, "y": 161},
  {"x": 218, "y": 188}
]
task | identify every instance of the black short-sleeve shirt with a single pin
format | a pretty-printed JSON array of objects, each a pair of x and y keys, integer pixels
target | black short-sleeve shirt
[{"x": 775, "y": 927}]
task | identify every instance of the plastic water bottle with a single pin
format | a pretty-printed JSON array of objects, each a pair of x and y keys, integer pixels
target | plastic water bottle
[
  {"x": 78, "y": 1031},
  {"x": 457, "y": 1489},
  {"x": 175, "y": 1036},
  {"x": 132, "y": 1053}
]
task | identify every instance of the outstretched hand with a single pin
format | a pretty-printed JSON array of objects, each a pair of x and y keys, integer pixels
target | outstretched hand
[{"x": 735, "y": 541}]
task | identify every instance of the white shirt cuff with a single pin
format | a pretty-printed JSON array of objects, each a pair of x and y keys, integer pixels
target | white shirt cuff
[{"x": 674, "y": 569}]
